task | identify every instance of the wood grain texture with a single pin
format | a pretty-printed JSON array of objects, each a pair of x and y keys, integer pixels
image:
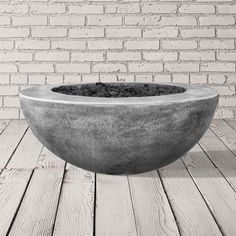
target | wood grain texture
[
  {"x": 49, "y": 160},
  {"x": 12, "y": 187},
  {"x": 9, "y": 140},
  {"x": 232, "y": 123},
  {"x": 38, "y": 209},
  {"x": 76, "y": 207},
  {"x": 114, "y": 213},
  {"x": 3, "y": 125},
  {"x": 27, "y": 153},
  {"x": 151, "y": 208},
  {"x": 218, "y": 194},
  {"x": 226, "y": 133},
  {"x": 191, "y": 212}
]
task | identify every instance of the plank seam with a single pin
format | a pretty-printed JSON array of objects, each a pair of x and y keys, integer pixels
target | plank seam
[
  {"x": 5, "y": 127},
  {"x": 203, "y": 198},
  {"x": 59, "y": 198},
  {"x": 229, "y": 124},
  {"x": 132, "y": 204},
  {"x": 21, "y": 200},
  {"x": 176, "y": 221},
  {"x": 5, "y": 167},
  {"x": 94, "y": 204}
]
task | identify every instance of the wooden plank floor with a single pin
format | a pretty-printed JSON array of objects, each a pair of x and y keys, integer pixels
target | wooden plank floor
[{"x": 40, "y": 194}]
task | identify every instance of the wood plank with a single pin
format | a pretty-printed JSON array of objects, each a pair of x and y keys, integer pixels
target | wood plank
[
  {"x": 218, "y": 194},
  {"x": 217, "y": 151},
  {"x": 38, "y": 209},
  {"x": 151, "y": 208},
  {"x": 232, "y": 123},
  {"x": 76, "y": 207},
  {"x": 114, "y": 213},
  {"x": 191, "y": 212},
  {"x": 9, "y": 140},
  {"x": 27, "y": 153},
  {"x": 12, "y": 187},
  {"x": 49, "y": 160},
  {"x": 226, "y": 133},
  {"x": 3, "y": 125}
]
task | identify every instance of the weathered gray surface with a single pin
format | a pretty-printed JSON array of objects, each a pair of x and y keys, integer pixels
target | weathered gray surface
[{"x": 119, "y": 135}]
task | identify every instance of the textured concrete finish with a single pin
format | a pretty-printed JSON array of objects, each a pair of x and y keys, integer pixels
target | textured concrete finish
[{"x": 119, "y": 135}]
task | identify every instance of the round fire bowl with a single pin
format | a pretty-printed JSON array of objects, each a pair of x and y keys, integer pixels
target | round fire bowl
[{"x": 125, "y": 135}]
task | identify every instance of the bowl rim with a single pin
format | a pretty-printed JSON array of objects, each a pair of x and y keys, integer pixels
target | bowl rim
[{"x": 44, "y": 93}]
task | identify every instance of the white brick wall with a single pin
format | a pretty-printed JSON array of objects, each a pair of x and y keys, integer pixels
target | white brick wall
[{"x": 74, "y": 41}]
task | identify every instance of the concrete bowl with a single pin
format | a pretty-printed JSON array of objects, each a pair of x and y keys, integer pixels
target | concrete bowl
[{"x": 125, "y": 135}]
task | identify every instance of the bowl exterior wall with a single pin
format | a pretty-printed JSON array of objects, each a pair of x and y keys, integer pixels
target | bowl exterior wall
[{"x": 119, "y": 139}]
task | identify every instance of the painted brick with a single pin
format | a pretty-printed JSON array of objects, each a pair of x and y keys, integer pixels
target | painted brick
[
  {"x": 49, "y": 32},
  {"x": 109, "y": 68},
  {"x": 73, "y": 68},
  {"x": 197, "y": 56},
  {"x": 165, "y": 32},
  {"x": 197, "y": 33},
  {"x": 87, "y": 56},
  {"x": 142, "y": 44},
  {"x": 215, "y": 66},
  {"x": 44, "y": 8},
  {"x": 86, "y": 9},
  {"x": 216, "y": 44},
  {"x": 29, "y": 20},
  {"x": 160, "y": 56},
  {"x": 32, "y": 44},
  {"x": 86, "y": 33},
  {"x": 194, "y": 8},
  {"x": 159, "y": 8},
  {"x": 36, "y": 68},
  {"x": 67, "y": 20},
  {"x": 145, "y": 67},
  {"x": 104, "y": 20},
  {"x": 68, "y": 45},
  {"x": 124, "y": 56},
  {"x": 105, "y": 44},
  {"x": 14, "y": 32},
  {"x": 51, "y": 56},
  {"x": 16, "y": 56},
  {"x": 216, "y": 20},
  {"x": 182, "y": 67},
  {"x": 179, "y": 44},
  {"x": 121, "y": 33}
]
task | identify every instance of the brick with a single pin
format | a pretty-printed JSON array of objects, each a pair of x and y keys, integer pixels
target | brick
[
  {"x": 9, "y": 90},
  {"x": 86, "y": 9},
  {"x": 4, "y": 79},
  {"x": 179, "y": 44},
  {"x": 14, "y": 32},
  {"x": 29, "y": 20},
  {"x": 159, "y": 8},
  {"x": 226, "y": 56},
  {"x": 122, "y": 33},
  {"x": 68, "y": 45},
  {"x": 5, "y": 20},
  {"x": 128, "y": 8},
  {"x": 226, "y": 33},
  {"x": 37, "y": 79},
  {"x": 197, "y": 56},
  {"x": 67, "y": 20},
  {"x": 162, "y": 78},
  {"x": 54, "y": 79},
  {"x": 145, "y": 67},
  {"x": 216, "y": 44},
  {"x": 9, "y": 113},
  {"x": 73, "y": 68},
  {"x": 181, "y": 67},
  {"x": 16, "y": 56},
  {"x": 216, "y": 79},
  {"x": 197, "y": 33},
  {"x": 216, "y": 20},
  {"x": 165, "y": 32},
  {"x": 221, "y": 67},
  {"x": 224, "y": 113},
  {"x": 196, "y": 9},
  {"x": 72, "y": 79},
  {"x": 125, "y": 78},
  {"x": 179, "y": 21},
  {"x": 13, "y": 8},
  {"x": 32, "y": 44},
  {"x": 87, "y": 56},
  {"x": 124, "y": 56},
  {"x": 52, "y": 56},
  {"x": 180, "y": 78},
  {"x": 144, "y": 78},
  {"x": 86, "y": 33},
  {"x": 109, "y": 68},
  {"x": 19, "y": 79},
  {"x": 105, "y": 44},
  {"x": 198, "y": 79},
  {"x": 44, "y": 8},
  {"x": 36, "y": 68},
  {"x": 142, "y": 44},
  {"x": 5, "y": 68},
  {"x": 227, "y": 101},
  {"x": 142, "y": 20},
  {"x": 227, "y": 9},
  {"x": 160, "y": 56},
  {"x": 6, "y": 45},
  {"x": 49, "y": 32},
  {"x": 90, "y": 78},
  {"x": 108, "y": 78},
  {"x": 104, "y": 20},
  {"x": 11, "y": 101}
]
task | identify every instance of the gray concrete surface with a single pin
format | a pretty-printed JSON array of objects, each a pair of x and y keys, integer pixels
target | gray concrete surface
[{"x": 119, "y": 135}]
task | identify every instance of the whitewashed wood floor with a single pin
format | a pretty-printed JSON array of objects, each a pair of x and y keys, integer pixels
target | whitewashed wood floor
[{"x": 42, "y": 195}]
